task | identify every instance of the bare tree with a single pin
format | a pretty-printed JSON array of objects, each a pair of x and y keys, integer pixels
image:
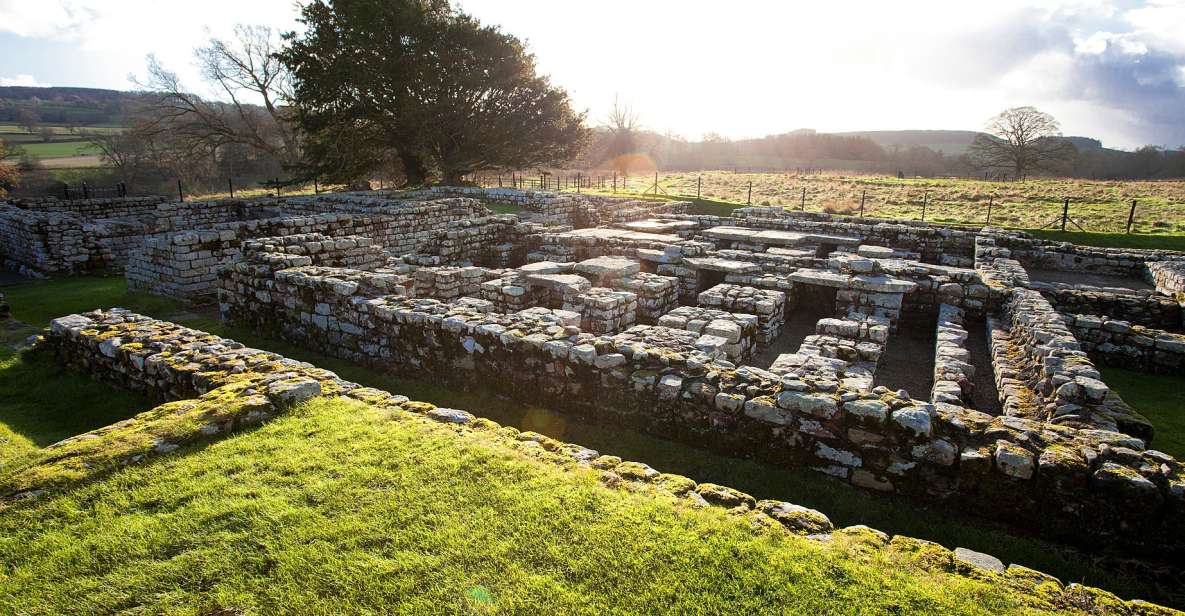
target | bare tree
[
  {"x": 242, "y": 70},
  {"x": 1024, "y": 140},
  {"x": 623, "y": 125}
]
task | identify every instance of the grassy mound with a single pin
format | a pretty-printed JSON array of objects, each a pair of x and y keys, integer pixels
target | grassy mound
[{"x": 341, "y": 507}]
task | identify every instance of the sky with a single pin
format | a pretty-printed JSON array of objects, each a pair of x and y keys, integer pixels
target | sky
[{"x": 1114, "y": 71}]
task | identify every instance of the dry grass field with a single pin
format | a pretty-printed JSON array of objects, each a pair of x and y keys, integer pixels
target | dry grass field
[{"x": 1100, "y": 206}]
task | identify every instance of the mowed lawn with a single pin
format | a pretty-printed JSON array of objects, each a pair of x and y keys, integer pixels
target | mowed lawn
[{"x": 338, "y": 507}]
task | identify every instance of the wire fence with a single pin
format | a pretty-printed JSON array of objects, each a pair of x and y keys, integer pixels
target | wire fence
[
  {"x": 276, "y": 186},
  {"x": 1030, "y": 204},
  {"x": 1035, "y": 204}
]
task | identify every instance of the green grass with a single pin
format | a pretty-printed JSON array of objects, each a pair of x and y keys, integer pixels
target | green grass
[
  {"x": 336, "y": 508},
  {"x": 41, "y": 404},
  {"x": 12, "y": 129},
  {"x": 1160, "y": 398},
  {"x": 39, "y": 302},
  {"x": 503, "y": 208},
  {"x": 59, "y": 149}
]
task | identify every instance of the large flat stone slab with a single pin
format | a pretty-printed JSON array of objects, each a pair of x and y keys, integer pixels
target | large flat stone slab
[
  {"x": 621, "y": 234},
  {"x": 777, "y": 237},
  {"x": 559, "y": 282},
  {"x": 609, "y": 267},
  {"x": 659, "y": 226},
  {"x": 716, "y": 264}
]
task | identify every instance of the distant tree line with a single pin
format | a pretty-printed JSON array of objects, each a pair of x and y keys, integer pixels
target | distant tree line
[{"x": 999, "y": 153}]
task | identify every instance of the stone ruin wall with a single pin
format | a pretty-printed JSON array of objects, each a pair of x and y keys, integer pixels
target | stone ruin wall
[
  {"x": 1044, "y": 476},
  {"x": 1116, "y": 342},
  {"x": 184, "y": 264},
  {"x": 564, "y": 209},
  {"x": 120, "y": 207},
  {"x": 1048, "y": 377}
]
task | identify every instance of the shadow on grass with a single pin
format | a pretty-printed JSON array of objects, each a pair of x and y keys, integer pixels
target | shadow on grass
[
  {"x": 42, "y": 403},
  {"x": 1160, "y": 398}
]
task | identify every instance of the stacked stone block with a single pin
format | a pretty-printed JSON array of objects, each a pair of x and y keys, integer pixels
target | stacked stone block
[
  {"x": 735, "y": 334},
  {"x": 768, "y": 305},
  {"x": 602, "y": 310},
  {"x": 1169, "y": 277},
  {"x": 449, "y": 283},
  {"x": 657, "y": 295}
]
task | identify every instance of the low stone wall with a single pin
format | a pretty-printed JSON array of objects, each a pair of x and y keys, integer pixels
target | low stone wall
[
  {"x": 953, "y": 372},
  {"x": 494, "y": 241},
  {"x": 1049, "y": 477},
  {"x": 216, "y": 386},
  {"x": 1116, "y": 342},
  {"x": 1144, "y": 308},
  {"x": 935, "y": 243},
  {"x": 1064, "y": 256},
  {"x": 37, "y": 243},
  {"x": 1066, "y": 387},
  {"x": 1168, "y": 276}
]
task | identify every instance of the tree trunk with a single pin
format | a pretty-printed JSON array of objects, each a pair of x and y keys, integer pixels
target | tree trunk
[{"x": 415, "y": 169}]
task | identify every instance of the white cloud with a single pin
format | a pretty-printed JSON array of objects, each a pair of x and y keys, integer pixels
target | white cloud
[{"x": 27, "y": 81}]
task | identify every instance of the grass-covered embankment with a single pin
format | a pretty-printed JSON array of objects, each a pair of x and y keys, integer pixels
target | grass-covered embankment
[{"x": 338, "y": 507}]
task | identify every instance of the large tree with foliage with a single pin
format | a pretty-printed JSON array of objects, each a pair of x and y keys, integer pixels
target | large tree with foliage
[
  {"x": 1023, "y": 140},
  {"x": 426, "y": 83}
]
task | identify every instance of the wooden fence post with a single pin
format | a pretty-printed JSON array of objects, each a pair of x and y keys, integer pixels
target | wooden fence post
[
  {"x": 989, "y": 218},
  {"x": 803, "y": 207},
  {"x": 230, "y": 183},
  {"x": 1065, "y": 212},
  {"x": 180, "y": 193},
  {"x": 863, "y": 194},
  {"x": 925, "y": 202},
  {"x": 1131, "y": 216},
  {"x": 749, "y": 201}
]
